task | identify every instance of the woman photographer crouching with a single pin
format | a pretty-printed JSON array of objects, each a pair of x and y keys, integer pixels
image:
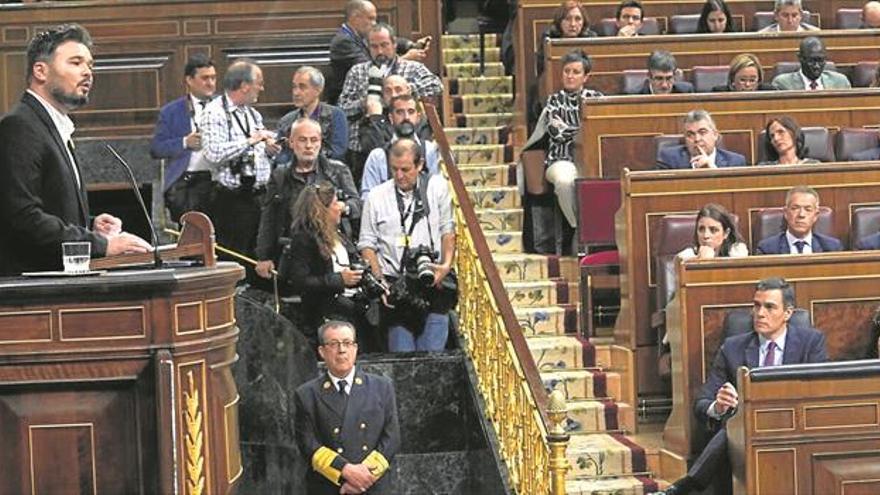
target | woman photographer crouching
[{"x": 323, "y": 266}]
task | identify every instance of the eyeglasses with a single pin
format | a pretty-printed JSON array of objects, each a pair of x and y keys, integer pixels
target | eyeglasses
[{"x": 340, "y": 344}]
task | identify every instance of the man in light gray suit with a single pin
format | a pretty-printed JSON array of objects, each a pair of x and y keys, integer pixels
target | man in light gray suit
[{"x": 812, "y": 76}]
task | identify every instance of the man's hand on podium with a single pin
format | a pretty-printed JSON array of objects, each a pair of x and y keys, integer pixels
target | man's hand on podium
[
  {"x": 107, "y": 225},
  {"x": 124, "y": 242}
]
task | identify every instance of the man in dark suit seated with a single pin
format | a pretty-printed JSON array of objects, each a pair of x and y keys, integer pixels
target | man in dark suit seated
[
  {"x": 801, "y": 213},
  {"x": 772, "y": 343},
  {"x": 43, "y": 199},
  {"x": 661, "y": 76},
  {"x": 699, "y": 149}
]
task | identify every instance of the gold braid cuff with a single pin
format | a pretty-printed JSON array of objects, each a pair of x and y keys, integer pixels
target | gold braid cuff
[
  {"x": 322, "y": 462},
  {"x": 377, "y": 463}
]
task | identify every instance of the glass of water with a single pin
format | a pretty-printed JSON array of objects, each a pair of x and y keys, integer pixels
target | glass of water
[{"x": 76, "y": 256}]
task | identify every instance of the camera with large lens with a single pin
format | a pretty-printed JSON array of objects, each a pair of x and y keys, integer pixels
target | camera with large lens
[
  {"x": 418, "y": 265},
  {"x": 409, "y": 298},
  {"x": 371, "y": 286},
  {"x": 375, "y": 78}
]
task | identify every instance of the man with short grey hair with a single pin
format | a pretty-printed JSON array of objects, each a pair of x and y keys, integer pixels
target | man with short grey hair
[
  {"x": 307, "y": 86},
  {"x": 661, "y": 76},
  {"x": 699, "y": 149},
  {"x": 871, "y": 15},
  {"x": 236, "y": 144},
  {"x": 789, "y": 16}
]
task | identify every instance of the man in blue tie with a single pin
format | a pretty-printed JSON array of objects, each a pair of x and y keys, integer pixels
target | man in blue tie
[
  {"x": 772, "y": 343},
  {"x": 801, "y": 213}
]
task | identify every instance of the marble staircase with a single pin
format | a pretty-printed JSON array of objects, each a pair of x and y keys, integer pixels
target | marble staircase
[{"x": 542, "y": 289}]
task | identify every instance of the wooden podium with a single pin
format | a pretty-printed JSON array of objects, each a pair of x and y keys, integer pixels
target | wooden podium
[{"x": 120, "y": 383}]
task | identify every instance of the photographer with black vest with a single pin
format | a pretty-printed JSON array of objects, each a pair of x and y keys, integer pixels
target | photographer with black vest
[{"x": 408, "y": 240}]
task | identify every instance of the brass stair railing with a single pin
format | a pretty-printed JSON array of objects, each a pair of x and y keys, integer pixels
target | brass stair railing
[{"x": 508, "y": 379}]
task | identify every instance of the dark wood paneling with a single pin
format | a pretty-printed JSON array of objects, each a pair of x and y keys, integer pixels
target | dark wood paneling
[
  {"x": 155, "y": 38},
  {"x": 617, "y": 132}
]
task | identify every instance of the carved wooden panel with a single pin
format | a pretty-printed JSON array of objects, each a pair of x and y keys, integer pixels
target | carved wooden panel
[
  {"x": 776, "y": 471},
  {"x": 25, "y": 326},
  {"x": 102, "y": 324},
  {"x": 856, "y": 334}
]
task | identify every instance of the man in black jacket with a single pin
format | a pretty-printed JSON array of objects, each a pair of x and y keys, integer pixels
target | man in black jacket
[
  {"x": 43, "y": 200},
  {"x": 309, "y": 167}
]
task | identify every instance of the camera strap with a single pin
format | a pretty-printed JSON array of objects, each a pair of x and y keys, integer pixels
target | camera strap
[
  {"x": 246, "y": 129},
  {"x": 419, "y": 209}
]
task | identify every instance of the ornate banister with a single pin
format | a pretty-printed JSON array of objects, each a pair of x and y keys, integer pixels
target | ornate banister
[{"x": 508, "y": 379}]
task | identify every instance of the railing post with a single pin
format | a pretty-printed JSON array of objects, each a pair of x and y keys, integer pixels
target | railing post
[{"x": 557, "y": 439}]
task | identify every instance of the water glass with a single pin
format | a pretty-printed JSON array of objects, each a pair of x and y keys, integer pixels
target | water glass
[{"x": 75, "y": 256}]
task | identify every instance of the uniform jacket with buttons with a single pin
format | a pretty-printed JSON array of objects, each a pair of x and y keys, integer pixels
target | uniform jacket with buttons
[{"x": 351, "y": 428}]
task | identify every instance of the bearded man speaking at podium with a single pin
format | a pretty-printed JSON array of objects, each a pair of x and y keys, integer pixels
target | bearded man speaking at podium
[{"x": 43, "y": 199}]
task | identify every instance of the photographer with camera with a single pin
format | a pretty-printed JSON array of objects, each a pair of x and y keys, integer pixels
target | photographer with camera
[
  {"x": 237, "y": 145},
  {"x": 405, "y": 116},
  {"x": 408, "y": 239},
  {"x": 323, "y": 267},
  {"x": 363, "y": 87},
  {"x": 309, "y": 166},
  {"x": 376, "y": 127}
]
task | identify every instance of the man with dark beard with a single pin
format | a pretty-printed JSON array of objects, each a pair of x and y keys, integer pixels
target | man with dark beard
[{"x": 43, "y": 199}]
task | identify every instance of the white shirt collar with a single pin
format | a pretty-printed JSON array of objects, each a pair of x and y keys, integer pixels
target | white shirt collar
[
  {"x": 807, "y": 81},
  {"x": 780, "y": 343},
  {"x": 349, "y": 379},
  {"x": 62, "y": 122}
]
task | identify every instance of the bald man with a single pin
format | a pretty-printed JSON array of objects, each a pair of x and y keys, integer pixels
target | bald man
[{"x": 871, "y": 15}]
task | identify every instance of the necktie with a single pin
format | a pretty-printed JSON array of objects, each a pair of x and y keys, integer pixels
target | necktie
[
  {"x": 800, "y": 246},
  {"x": 342, "y": 384},
  {"x": 770, "y": 358},
  {"x": 814, "y": 85}
]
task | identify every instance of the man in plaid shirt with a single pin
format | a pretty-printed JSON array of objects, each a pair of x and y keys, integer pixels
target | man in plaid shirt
[
  {"x": 354, "y": 99},
  {"x": 236, "y": 143}
]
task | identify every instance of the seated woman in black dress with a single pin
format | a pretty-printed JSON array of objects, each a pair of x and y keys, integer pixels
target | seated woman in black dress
[
  {"x": 322, "y": 266},
  {"x": 745, "y": 74},
  {"x": 784, "y": 143}
]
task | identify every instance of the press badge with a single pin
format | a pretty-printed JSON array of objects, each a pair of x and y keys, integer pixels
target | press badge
[{"x": 403, "y": 240}]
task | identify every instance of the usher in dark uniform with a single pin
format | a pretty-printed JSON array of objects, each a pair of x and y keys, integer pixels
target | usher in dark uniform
[{"x": 334, "y": 429}]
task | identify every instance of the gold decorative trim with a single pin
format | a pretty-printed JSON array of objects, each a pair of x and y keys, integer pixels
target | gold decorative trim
[
  {"x": 230, "y": 476},
  {"x": 874, "y": 405},
  {"x": 757, "y": 465},
  {"x": 201, "y": 310},
  {"x": 47, "y": 426},
  {"x": 756, "y": 412},
  {"x": 46, "y": 312},
  {"x": 193, "y": 439},
  {"x": 62, "y": 312}
]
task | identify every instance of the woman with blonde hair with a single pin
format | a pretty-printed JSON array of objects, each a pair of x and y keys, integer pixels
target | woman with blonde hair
[{"x": 745, "y": 74}]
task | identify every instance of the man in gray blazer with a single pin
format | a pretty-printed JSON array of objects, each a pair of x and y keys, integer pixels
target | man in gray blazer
[{"x": 812, "y": 75}]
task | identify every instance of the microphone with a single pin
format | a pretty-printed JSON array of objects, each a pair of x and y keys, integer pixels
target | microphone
[{"x": 157, "y": 260}]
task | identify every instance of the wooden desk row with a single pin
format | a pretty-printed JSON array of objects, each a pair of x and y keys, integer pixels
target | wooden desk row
[
  {"x": 611, "y": 56},
  {"x": 141, "y": 48},
  {"x": 619, "y": 131},
  {"x": 648, "y": 196},
  {"x": 839, "y": 290}
]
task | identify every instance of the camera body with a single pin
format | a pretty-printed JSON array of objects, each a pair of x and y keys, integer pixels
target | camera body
[
  {"x": 244, "y": 166},
  {"x": 371, "y": 286}
]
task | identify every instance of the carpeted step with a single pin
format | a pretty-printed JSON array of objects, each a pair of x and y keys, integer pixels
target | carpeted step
[
  {"x": 599, "y": 455},
  {"x": 504, "y": 242},
  {"x": 470, "y": 55},
  {"x": 597, "y": 415},
  {"x": 482, "y": 103},
  {"x": 583, "y": 384},
  {"x": 457, "y": 41},
  {"x": 616, "y": 485},
  {"x": 481, "y": 153},
  {"x": 495, "y": 197},
  {"x": 488, "y": 175},
  {"x": 461, "y": 136},
  {"x": 484, "y": 119},
  {"x": 561, "y": 352},
  {"x": 480, "y": 85},
  {"x": 560, "y": 319},
  {"x": 491, "y": 69},
  {"x": 542, "y": 292},
  {"x": 500, "y": 219},
  {"x": 525, "y": 266}
]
